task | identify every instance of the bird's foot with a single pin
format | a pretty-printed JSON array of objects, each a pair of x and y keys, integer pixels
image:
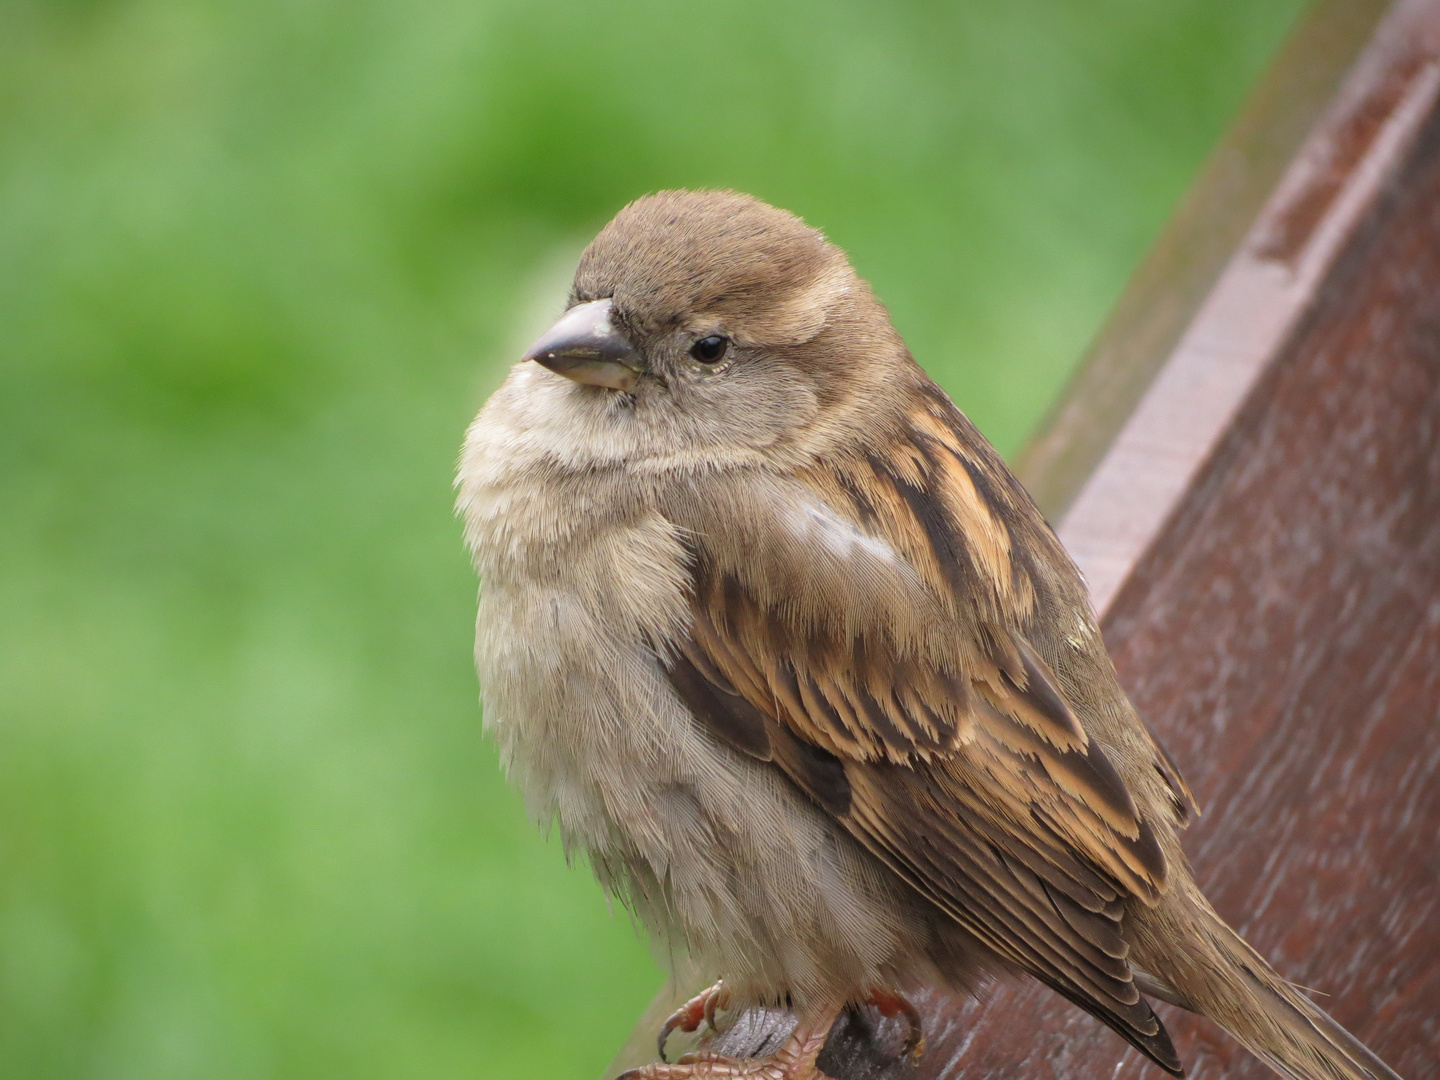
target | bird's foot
[
  {"x": 700, "y": 1008},
  {"x": 793, "y": 1061}
]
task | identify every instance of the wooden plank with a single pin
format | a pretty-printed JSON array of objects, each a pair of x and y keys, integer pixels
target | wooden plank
[
  {"x": 1261, "y": 526},
  {"x": 1301, "y": 582},
  {"x": 1268, "y": 283},
  {"x": 1281, "y": 631}
]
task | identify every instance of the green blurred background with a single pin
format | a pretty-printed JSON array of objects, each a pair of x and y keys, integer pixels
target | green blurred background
[{"x": 260, "y": 261}]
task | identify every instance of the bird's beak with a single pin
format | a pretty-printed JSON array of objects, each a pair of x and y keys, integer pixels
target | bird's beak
[{"x": 585, "y": 346}]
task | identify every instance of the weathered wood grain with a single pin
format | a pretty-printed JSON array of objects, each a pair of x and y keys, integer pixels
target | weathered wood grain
[{"x": 1300, "y": 581}]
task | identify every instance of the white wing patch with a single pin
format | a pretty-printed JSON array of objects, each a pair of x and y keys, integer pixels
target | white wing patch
[{"x": 815, "y": 523}]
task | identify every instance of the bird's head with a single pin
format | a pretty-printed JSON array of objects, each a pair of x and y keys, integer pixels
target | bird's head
[{"x": 710, "y": 321}]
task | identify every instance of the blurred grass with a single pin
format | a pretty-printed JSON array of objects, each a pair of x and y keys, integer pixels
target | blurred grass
[{"x": 259, "y": 263}]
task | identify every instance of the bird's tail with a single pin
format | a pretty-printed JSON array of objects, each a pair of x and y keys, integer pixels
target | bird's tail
[{"x": 1233, "y": 985}]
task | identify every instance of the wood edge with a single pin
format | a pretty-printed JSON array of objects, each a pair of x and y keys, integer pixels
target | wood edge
[
  {"x": 1182, "y": 265},
  {"x": 1244, "y": 320}
]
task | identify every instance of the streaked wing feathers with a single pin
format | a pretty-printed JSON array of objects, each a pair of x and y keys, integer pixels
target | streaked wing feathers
[{"x": 974, "y": 782}]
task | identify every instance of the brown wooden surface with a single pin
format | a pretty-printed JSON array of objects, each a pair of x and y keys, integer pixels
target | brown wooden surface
[
  {"x": 1280, "y": 624},
  {"x": 1241, "y": 324},
  {"x": 1283, "y": 636},
  {"x": 1301, "y": 582}
]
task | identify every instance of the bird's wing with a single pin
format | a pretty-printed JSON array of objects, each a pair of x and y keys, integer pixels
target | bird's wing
[{"x": 969, "y": 776}]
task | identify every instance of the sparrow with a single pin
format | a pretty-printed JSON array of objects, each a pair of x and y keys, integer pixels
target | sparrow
[{"x": 779, "y": 641}]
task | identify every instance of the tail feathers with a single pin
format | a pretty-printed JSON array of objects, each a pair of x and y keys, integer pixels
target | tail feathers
[
  {"x": 1314, "y": 1047},
  {"x": 1273, "y": 1019}
]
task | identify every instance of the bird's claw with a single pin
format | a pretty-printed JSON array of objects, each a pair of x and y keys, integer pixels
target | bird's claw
[
  {"x": 688, "y": 1017},
  {"x": 795, "y": 1060}
]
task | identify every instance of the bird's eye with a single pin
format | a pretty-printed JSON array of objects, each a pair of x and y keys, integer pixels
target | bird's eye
[{"x": 709, "y": 349}]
